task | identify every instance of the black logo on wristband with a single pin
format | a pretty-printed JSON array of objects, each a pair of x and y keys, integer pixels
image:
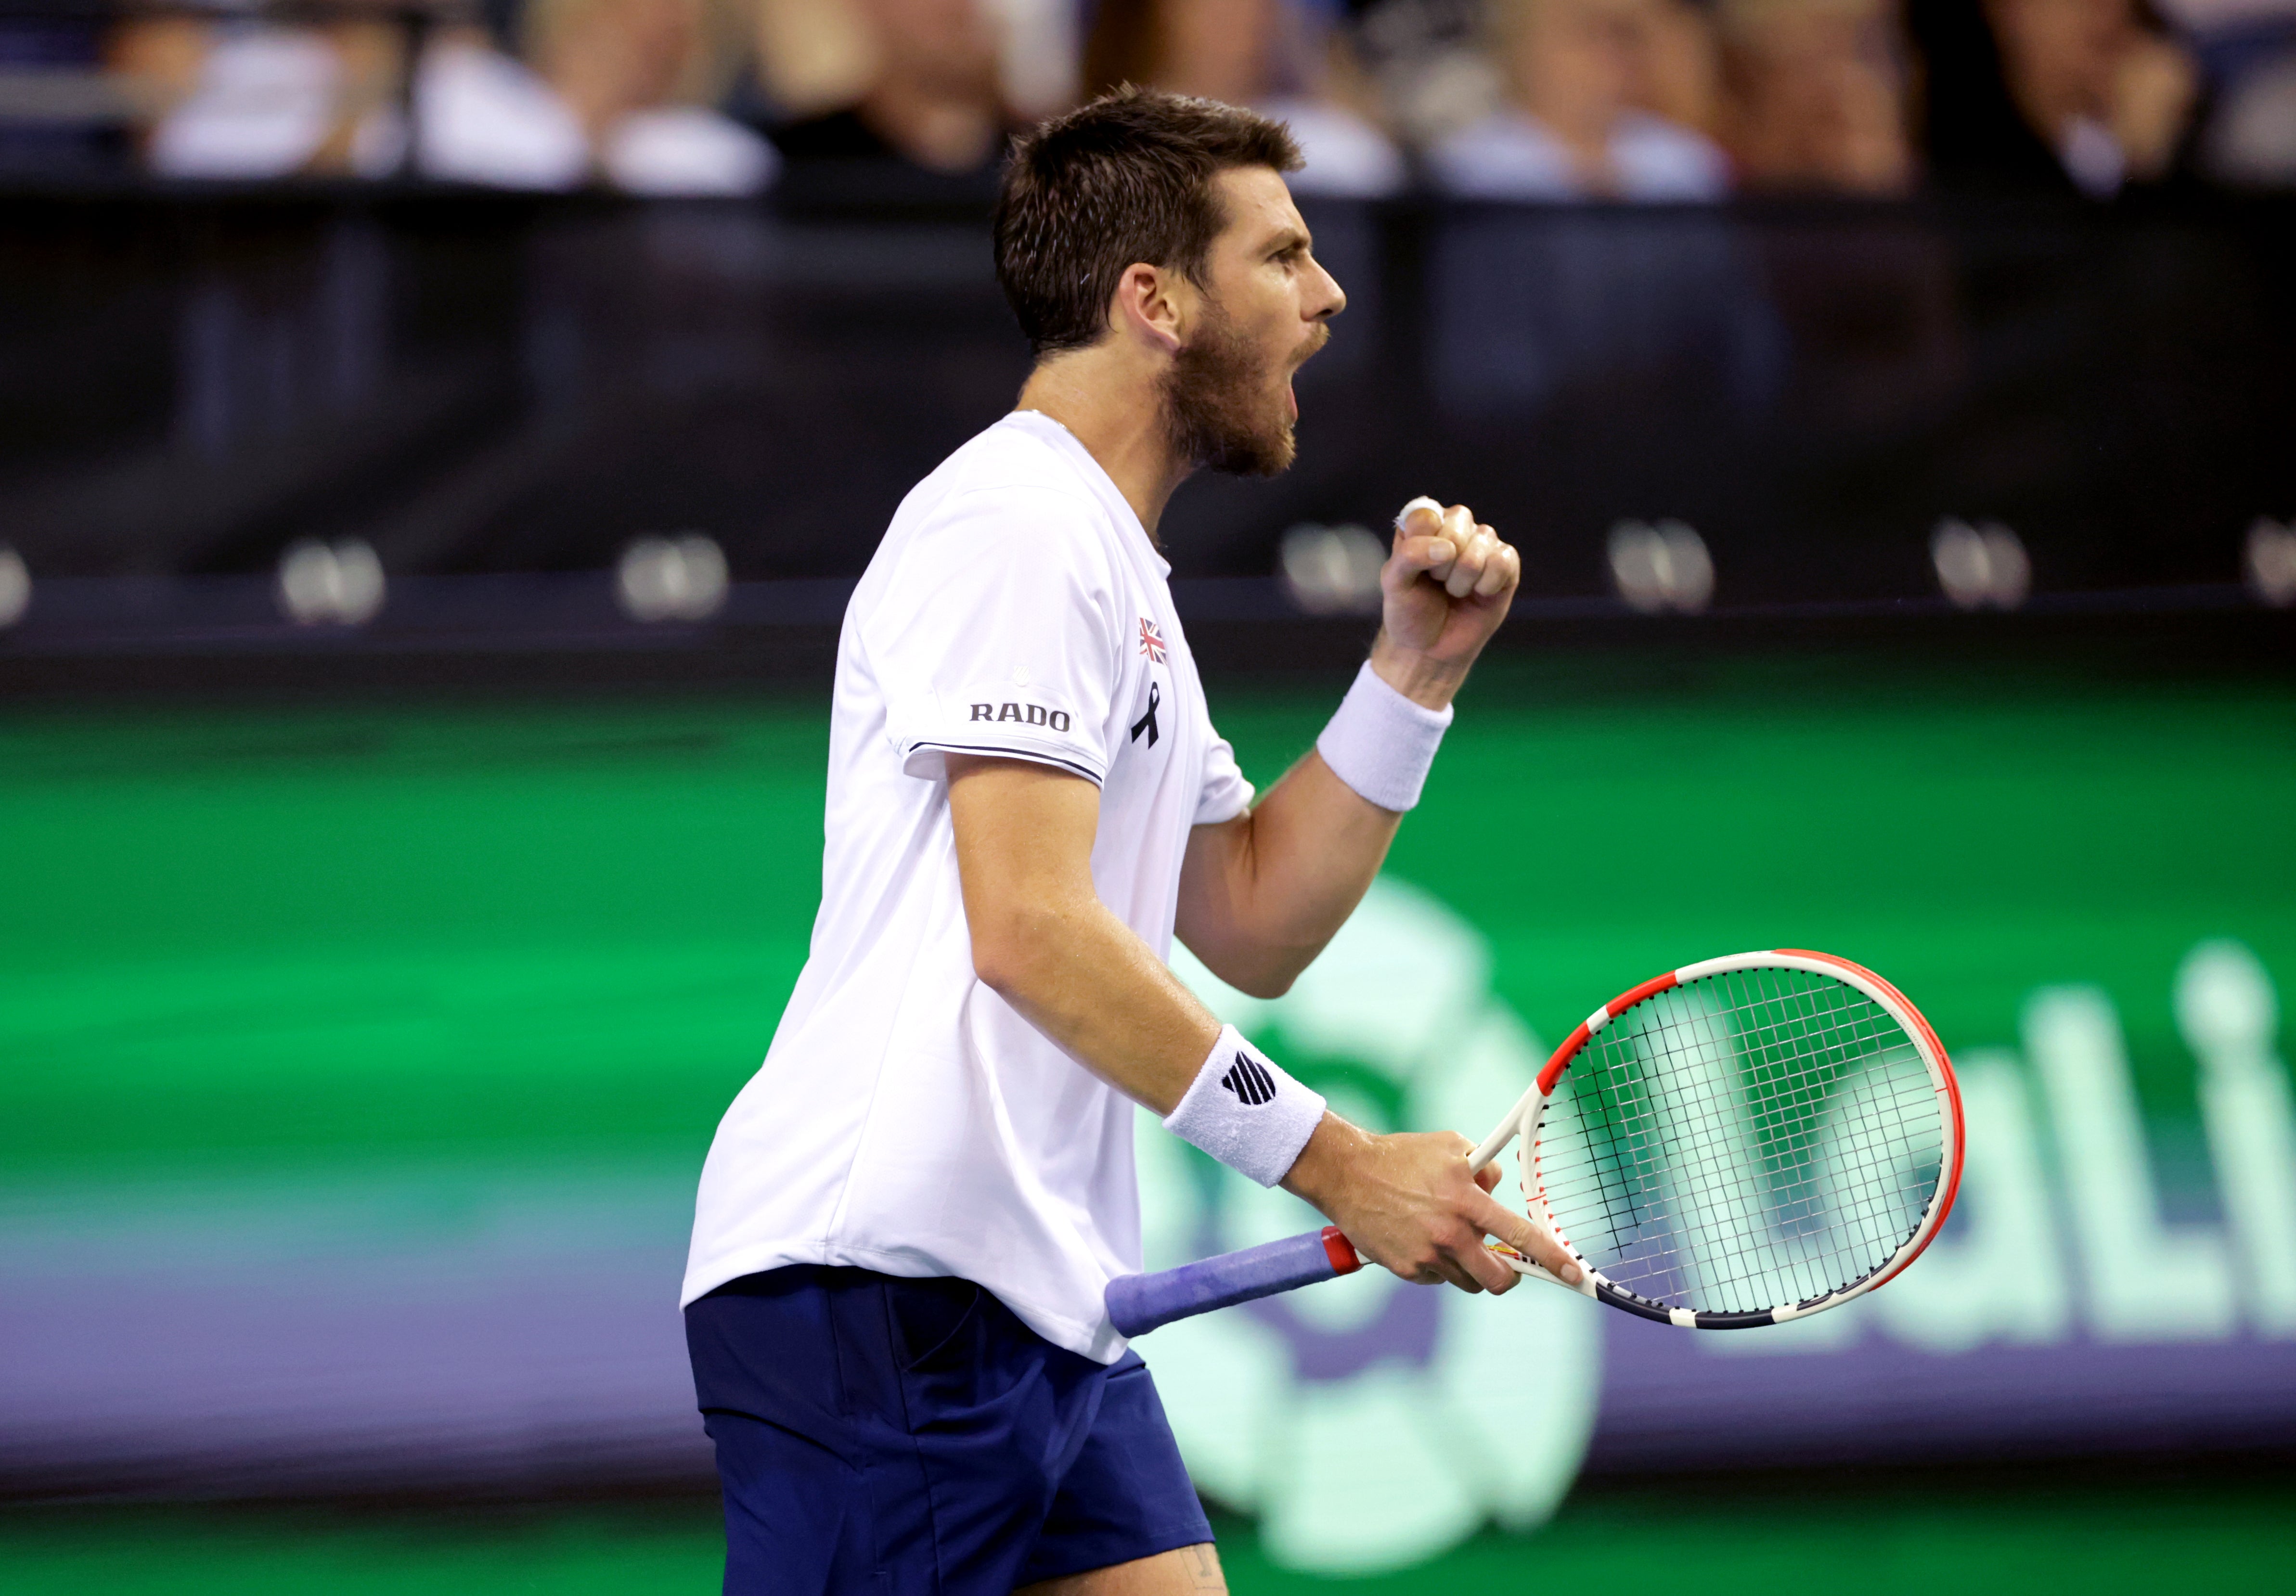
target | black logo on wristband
[{"x": 1250, "y": 1080}]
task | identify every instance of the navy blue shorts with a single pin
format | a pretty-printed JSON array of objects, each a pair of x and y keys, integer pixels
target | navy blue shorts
[{"x": 901, "y": 1436}]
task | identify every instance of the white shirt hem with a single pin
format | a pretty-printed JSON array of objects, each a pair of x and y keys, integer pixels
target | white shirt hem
[
  {"x": 1097, "y": 1340},
  {"x": 923, "y": 755}
]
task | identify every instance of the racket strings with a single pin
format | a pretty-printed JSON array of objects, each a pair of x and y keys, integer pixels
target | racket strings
[
  {"x": 1713, "y": 1218},
  {"x": 1720, "y": 1208},
  {"x": 1745, "y": 1140},
  {"x": 1717, "y": 1203}
]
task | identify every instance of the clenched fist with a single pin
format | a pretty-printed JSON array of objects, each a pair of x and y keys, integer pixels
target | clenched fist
[{"x": 1445, "y": 588}]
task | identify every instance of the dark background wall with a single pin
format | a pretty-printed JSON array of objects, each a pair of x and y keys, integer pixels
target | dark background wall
[{"x": 471, "y": 386}]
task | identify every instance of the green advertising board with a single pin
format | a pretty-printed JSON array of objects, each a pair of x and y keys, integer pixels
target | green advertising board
[{"x": 355, "y": 1040}]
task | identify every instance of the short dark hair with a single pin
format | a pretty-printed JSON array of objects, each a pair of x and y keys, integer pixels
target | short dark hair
[{"x": 1125, "y": 178}]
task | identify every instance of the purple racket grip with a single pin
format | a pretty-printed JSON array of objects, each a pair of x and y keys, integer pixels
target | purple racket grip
[{"x": 1139, "y": 1303}]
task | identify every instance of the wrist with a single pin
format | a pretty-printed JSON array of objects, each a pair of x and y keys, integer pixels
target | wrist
[
  {"x": 1381, "y": 743},
  {"x": 1323, "y": 1169},
  {"x": 1246, "y": 1111},
  {"x": 1425, "y": 681}
]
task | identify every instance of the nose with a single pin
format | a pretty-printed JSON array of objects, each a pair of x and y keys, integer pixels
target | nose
[{"x": 1328, "y": 297}]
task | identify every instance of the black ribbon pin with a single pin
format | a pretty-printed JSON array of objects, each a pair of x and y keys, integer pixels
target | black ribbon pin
[{"x": 1147, "y": 722}]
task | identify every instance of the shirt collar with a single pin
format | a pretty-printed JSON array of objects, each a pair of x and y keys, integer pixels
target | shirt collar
[{"x": 1037, "y": 424}]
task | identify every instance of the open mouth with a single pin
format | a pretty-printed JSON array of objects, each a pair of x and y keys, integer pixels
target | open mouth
[{"x": 1291, "y": 394}]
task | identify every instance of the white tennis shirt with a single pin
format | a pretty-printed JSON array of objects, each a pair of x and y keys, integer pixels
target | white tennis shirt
[{"x": 906, "y": 1119}]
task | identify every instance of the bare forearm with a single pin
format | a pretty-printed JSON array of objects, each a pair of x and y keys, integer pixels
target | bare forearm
[
  {"x": 1078, "y": 974},
  {"x": 1044, "y": 943},
  {"x": 1264, "y": 894}
]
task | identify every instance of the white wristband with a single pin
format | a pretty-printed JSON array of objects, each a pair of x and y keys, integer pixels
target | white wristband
[
  {"x": 1380, "y": 743},
  {"x": 1245, "y": 1112}
]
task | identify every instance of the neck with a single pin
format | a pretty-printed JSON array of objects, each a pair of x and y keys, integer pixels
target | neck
[{"x": 1113, "y": 407}]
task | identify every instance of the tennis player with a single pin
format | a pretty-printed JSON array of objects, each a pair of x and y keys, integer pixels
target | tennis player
[{"x": 910, "y": 1213}]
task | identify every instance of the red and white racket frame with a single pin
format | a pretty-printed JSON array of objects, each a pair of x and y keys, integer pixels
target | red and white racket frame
[{"x": 1525, "y": 1118}]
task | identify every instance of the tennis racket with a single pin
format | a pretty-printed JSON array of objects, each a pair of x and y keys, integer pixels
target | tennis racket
[{"x": 1739, "y": 1143}]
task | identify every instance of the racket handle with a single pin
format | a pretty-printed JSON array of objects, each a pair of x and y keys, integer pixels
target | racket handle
[{"x": 1139, "y": 1303}]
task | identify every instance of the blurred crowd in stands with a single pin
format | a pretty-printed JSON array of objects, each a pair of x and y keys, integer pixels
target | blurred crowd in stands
[{"x": 1544, "y": 100}]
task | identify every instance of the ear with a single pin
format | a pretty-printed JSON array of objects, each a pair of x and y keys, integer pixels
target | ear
[{"x": 1154, "y": 306}]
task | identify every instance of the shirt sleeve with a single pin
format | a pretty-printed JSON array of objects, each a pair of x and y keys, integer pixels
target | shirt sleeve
[
  {"x": 997, "y": 635},
  {"x": 1225, "y": 794}
]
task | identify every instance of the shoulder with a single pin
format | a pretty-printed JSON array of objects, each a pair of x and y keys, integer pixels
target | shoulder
[
  {"x": 1003, "y": 530},
  {"x": 1010, "y": 489}
]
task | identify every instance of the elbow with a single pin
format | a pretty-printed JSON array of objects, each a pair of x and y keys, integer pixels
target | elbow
[
  {"x": 1264, "y": 984},
  {"x": 1000, "y": 963},
  {"x": 1256, "y": 967},
  {"x": 1255, "y": 973},
  {"x": 1011, "y": 951}
]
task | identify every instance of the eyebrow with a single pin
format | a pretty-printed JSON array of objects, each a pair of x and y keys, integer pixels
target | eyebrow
[{"x": 1290, "y": 238}]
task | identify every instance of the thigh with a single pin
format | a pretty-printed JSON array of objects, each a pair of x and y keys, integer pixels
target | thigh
[
  {"x": 1127, "y": 1500},
  {"x": 1183, "y": 1571},
  {"x": 798, "y": 1518},
  {"x": 997, "y": 1417},
  {"x": 875, "y": 1433},
  {"x": 822, "y": 1494}
]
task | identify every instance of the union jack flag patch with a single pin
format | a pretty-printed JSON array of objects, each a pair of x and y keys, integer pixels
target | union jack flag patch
[{"x": 1151, "y": 641}]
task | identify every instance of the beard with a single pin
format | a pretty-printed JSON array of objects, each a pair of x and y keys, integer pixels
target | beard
[{"x": 1216, "y": 404}]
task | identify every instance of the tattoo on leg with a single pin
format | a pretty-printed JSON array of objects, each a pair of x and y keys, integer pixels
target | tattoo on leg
[{"x": 1204, "y": 1568}]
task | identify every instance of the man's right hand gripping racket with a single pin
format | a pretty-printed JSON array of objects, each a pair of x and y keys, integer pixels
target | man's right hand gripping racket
[{"x": 1738, "y": 1142}]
